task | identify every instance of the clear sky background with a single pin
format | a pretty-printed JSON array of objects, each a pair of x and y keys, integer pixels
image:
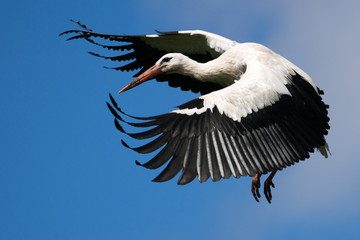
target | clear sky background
[{"x": 65, "y": 175}]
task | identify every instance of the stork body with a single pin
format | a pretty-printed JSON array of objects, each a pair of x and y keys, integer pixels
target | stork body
[{"x": 259, "y": 113}]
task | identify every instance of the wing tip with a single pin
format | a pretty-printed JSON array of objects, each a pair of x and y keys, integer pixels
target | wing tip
[
  {"x": 125, "y": 144},
  {"x": 118, "y": 126},
  {"x": 115, "y": 114},
  {"x": 138, "y": 163},
  {"x": 158, "y": 179}
]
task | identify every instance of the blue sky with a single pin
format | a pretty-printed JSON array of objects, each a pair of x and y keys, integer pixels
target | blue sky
[{"x": 65, "y": 174}]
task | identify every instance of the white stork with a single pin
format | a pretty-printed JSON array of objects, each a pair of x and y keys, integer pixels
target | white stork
[{"x": 258, "y": 112}]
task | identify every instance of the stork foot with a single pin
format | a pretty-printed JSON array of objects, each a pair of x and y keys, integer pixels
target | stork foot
[
  {"x": 255, "y": 186},
  {"x": 267, "y": 190},
  {"x": 267, "y": 184}
]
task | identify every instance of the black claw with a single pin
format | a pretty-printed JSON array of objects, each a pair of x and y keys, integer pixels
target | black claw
[{"x": 268, "y": 196}]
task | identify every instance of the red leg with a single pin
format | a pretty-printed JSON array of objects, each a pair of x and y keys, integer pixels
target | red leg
[
  {"x": 267, "y": 184},
  {"x": 255, "y": 185}
]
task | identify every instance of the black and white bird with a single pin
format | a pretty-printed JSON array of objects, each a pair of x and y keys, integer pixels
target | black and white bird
[{"x": 258, "y": 112}]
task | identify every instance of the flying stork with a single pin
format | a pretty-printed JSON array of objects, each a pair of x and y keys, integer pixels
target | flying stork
[{"x": 258, "y": 112}]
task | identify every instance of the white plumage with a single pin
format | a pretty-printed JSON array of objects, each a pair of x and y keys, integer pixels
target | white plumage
[{"x": 258, "y": 112}]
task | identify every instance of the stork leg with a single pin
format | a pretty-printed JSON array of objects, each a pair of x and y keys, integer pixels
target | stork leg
[
  {"x": 255, "y": 185},
  {"x": 267, "y": 184}
]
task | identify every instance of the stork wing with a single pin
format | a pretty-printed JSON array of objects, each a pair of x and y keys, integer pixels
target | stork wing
[
  {"x": 145, "y": 50},
  {"x": 208, "y": 138}
]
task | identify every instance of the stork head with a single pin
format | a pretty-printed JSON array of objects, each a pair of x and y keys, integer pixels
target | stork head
[{"x": 169, "y": 63}]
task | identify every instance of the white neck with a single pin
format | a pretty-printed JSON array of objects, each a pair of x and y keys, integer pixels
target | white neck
[{"x": 216, "y": 71}]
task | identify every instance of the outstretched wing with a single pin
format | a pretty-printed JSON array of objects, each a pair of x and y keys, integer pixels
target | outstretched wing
[
  {"x": 264, "y": 130},
  {"x": 142, "y": 51}
]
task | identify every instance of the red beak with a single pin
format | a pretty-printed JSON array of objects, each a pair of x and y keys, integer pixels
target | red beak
[{"x": 145, "y": 76}]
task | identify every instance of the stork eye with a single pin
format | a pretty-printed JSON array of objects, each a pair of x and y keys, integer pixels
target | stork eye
[{"x": 167, "y": 59}]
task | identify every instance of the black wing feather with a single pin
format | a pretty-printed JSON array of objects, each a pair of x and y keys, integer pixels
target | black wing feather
[
  {"x": 143, "y": 56},
  {"x": 210, "y": 144}
]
